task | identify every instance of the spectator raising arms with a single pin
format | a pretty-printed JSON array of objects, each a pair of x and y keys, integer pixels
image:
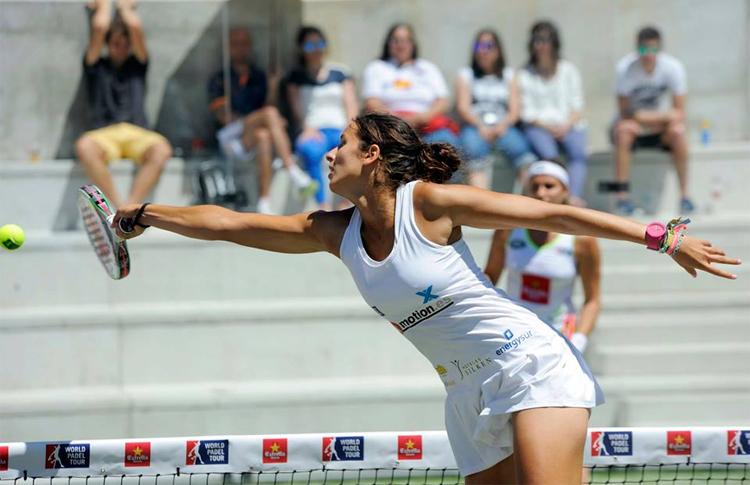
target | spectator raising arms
[
  {"x": 488, "y": 103},
  {"x": 322, "y": 100},
  {"x": 116, "y": 91},
  {"x": 543, "y": 266},
  {"x": 403, "y": 84},
  {"x": 250, "y": 126},
  {"x": 646, "y": 118},
  {"x": 552, "y": 105}
]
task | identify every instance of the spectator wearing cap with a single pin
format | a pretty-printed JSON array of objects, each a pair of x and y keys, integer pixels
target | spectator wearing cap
[{"x": 651, "y": 97}]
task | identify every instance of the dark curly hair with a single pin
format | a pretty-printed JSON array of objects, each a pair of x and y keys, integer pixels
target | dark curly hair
[{"x": 404, "y": 156}]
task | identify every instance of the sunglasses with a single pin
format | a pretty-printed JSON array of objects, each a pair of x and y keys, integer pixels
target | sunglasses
[
  {"x": 645, "y": 50},
  {"x": 313, "y": 46},
  {"x": 541, "y": 39},
  {"x": 484, "y": 46}
]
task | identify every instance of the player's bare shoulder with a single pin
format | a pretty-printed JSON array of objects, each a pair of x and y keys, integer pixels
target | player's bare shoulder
[{"x": 329, "y": 227}]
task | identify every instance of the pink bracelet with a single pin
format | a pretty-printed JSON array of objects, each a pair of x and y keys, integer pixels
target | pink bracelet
[{"x": 677, "y": 233}]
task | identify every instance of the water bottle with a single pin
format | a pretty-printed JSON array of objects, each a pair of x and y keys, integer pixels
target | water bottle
[{"x": 705, "y": 132}]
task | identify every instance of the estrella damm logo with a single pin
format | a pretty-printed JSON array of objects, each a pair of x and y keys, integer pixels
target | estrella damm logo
[
  {"x": 410, "y": 447},
  {"x": 611, "y": 443},
  {"x": 138, "y": 453},
  {"x": 206, "y": 452},
  {"x": 738, "y": 442},
  {"x": 4, "y": 458},
  {"x": 67, "y": 455},
  {"x": 679, "y": 442},
  {"x": 343, "y": 448},
  {"x": 274, "y": 450}
]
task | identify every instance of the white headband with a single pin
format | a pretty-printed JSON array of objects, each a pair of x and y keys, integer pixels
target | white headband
[{"x": 552, "y": 169}]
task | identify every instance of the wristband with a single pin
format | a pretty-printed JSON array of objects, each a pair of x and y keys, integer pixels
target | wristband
[{"x": 138, "y": 216}]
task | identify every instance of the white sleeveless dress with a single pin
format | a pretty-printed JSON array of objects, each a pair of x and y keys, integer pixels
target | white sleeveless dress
[
  {"x": 494, "y": 356},
  {"x": 541, "y": 278}
]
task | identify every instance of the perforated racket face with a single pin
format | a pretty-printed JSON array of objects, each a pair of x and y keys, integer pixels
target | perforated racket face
[{"x": 111, "y": 251}]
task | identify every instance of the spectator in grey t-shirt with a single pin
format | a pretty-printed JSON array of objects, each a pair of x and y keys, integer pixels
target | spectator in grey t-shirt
[{"x": 651, "y": 94}]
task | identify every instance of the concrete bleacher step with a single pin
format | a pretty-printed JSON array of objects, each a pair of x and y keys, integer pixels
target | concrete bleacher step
[
  {"x": 96, "y": 345},
  {"x": 685, "y": 408},
  {"x": 640, "y": 357},
  {"x": 678, "y": 327}
]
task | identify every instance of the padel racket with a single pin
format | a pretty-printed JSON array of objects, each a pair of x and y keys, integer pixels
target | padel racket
[{"x": 97, "y": 215}]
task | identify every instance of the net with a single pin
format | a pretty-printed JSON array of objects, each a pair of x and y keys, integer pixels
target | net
[{"x": 612, "y": 455}]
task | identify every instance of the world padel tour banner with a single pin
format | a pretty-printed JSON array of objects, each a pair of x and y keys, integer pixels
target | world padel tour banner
[{"x": 405, "y": 450}]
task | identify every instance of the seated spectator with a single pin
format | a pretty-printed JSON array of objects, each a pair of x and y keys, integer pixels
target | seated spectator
[
  {"x": 323, "y": 101},
  {"x": 552, "y": 106},
  {"x": 645, "y": 81},
  {"x": 116, "y": 90},
  {"x": 403, "y": 84},
  {"x": 488, "y": 103},
  {"x": 251, "y": 127}
]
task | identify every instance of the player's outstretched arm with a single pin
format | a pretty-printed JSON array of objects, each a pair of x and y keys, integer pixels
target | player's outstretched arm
[
  {"x": 298, "y": 233},
  {"x": 470, "y": 206}
]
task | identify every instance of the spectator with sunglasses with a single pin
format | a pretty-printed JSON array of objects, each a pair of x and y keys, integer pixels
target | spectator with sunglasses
[
  {"x": 488, "y": 103},
  {"x": 651, "y": 96},
  {"x": 322, "y": 100},
  {"x": 403, "y": 84},
  {"x": 552, "y": 105}
]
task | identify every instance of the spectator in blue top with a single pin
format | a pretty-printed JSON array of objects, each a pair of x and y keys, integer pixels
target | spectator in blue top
[
  {"x": 322, "y": 100},
  {"x": 250, "y": 125},
  {"x": 488, "y": 103}
]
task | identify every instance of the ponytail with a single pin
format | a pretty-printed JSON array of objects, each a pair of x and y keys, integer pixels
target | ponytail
[
  {"x": 404, "y": 157},
  {"x": 437, "y": 162}
]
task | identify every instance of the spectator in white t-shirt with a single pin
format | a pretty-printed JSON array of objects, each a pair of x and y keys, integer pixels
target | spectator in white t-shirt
[
  {"x": 403, "y": 84},
  {"x": 651, "y": 95},
  {"x": 323, "y": 101},
  {"x": 488, "y": 103},
  {"x": 552, "y": 106}
]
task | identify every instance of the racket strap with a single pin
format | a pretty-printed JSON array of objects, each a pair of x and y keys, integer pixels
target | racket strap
[{"x": 138, "y": 216}]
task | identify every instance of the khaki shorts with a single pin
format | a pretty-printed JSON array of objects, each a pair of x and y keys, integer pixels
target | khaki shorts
[{"x": 125, "y": 140}]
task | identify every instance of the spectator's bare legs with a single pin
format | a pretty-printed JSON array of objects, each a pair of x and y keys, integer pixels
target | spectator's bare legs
[
  {"x": 94, "y": 163},
  {"x": 154, "y": 160},
  {"x": 270, "y": 119},
  {"x": 625, "y": 133},
  {"x": 262, "y": 142},
  {"x": 675, "y": 136}
]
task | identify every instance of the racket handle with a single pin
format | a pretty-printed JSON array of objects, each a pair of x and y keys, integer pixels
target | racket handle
[{"x": 126, "y": 225}]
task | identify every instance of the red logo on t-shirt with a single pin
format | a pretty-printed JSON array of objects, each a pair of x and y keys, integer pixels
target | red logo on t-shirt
[
  {"x": 138, "y": 454},
  {"x": 274, "y": 450},
  {"x": 679, "y": 442},
  {"x": 410, "y": 447},
  {"x": 535, "y": 289}
]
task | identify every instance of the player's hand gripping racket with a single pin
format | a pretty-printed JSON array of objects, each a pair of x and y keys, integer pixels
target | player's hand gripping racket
[{"x": 97, "y": 214}]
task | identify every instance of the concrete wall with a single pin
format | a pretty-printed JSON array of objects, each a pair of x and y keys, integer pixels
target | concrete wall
[
  {"x": 710, "y": 37},
  {"x": 42, "y": 107}
]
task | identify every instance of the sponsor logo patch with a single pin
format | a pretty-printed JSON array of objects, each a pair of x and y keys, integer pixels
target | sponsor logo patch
[
  {"x": 410, "y": 447},
  {"x": 611, "y": 443}
]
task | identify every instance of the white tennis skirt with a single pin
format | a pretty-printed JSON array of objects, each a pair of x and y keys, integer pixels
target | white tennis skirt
[{"x": 478, "y": 411}]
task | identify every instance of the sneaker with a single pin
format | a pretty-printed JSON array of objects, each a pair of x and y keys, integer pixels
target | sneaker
[
  {"x": 686, "y": 206},
  {"x": 625, "y": 207},
  {"x": 264, "y": 206}
]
